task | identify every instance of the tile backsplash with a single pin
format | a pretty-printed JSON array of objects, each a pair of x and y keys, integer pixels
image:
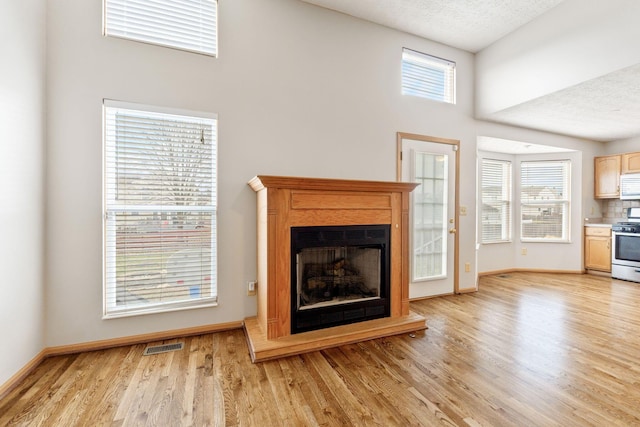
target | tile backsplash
[{"x": 616, "y": 210}]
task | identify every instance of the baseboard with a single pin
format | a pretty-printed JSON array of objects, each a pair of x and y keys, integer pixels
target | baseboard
[
  {"x": 430, "y": 297},
  {"x": 111, "y": 343},
  {"x": 21, "y": 374},
  {"x": 528, "y": 270},
  {"x": 599, "y": 273},
  {"x": 143, "y": 338}
]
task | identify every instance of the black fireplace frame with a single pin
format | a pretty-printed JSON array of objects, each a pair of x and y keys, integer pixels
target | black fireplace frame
[{"x": 376, "y": 236}]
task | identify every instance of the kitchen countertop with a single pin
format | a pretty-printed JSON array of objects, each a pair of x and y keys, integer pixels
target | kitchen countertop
[{"x": 591, "y": 224}]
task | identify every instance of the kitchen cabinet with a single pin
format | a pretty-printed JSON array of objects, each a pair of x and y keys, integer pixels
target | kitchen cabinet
[
  {"x": 607, "y": 177},
  {"x": 630, "y": 163},
  {"x": 597, "y": 248}
]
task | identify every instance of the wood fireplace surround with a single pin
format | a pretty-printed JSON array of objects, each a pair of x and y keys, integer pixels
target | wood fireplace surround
[{"x": 285, "y": 202}]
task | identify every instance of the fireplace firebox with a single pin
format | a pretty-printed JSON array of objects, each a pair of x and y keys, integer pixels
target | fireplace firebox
[{"x": 339, "y": 275}]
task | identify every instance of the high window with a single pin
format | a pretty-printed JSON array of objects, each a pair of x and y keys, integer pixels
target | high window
[
  {"x": 182, "y": 24},
  {"x": 496, "y": 201},
  {"x": 428, "y": 77},
  {"x": 544, "y": 200},
  {"x": 160, "y": 209}
]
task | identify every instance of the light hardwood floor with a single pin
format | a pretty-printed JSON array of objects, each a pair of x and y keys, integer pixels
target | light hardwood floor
[{"x": 527, "y": 350}]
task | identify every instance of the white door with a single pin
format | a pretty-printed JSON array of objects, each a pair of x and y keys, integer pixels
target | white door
[{"x": 432, "y": 216}]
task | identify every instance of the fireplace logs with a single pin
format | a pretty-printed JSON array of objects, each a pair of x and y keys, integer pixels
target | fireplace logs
[{"x": 336, "y": 281}]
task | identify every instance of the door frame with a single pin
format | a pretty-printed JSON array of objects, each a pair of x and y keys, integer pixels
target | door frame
[{"x": 456, "y": 220}]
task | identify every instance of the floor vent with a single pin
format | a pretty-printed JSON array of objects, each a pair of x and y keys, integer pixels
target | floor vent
[{"x": 163, "y": 348}]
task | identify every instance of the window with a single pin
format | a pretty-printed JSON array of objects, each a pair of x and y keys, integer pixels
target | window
[
  {"x": 544, "y": 198},
  {"x": 160, "y": 209},
  {"x": 496, "y": 201},
  {"x": 183, "y": 24},
  {"x": 428, "y": 76},
  {"x": 429, "y": 204}
]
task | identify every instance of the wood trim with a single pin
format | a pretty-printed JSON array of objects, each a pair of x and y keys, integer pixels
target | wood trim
[
  {"x": 262, "y": 349},
  {"x": 456, "y": 217},
  {"x": 430, "y": 297},
  {"x": 528, "y": 270},
  {"x": 15, "y": 380},
  {"x": 137, "y": 339},
  {"x": 399, "y": 158},
  {"x": 260, "y": 182}
]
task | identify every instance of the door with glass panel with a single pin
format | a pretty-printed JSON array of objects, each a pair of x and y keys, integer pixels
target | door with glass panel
[{"x": 432, "y": 165}]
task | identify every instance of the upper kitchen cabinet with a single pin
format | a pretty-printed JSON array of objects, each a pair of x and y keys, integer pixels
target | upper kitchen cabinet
[
  {"x": 607, "y": 176},
  {"x": 631, "y": 163}
]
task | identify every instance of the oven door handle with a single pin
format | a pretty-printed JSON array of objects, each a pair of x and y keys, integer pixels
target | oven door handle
[{"x": 623, "y": 233}]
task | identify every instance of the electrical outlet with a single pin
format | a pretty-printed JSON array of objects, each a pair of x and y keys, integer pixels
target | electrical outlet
[
  {"x": 251, "y": 288},
  {"x": 523, "y": 251},
  {"x": 467, "y": 267}
]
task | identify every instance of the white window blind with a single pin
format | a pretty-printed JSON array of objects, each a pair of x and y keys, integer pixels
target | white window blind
[
  {"x": 427, "y": 76},
  {"x": 545, "y": 201},
  {"x": 183, "y": 24},
  {"x": 160, "y": 210},
  {"x": 496, "y": 201}
]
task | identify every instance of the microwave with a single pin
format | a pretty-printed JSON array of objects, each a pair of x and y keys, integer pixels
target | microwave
[{"x": 630, "y": 186}]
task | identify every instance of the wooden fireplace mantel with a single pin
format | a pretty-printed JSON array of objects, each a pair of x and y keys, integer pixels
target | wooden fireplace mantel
[{"x": 285, "y": 202}]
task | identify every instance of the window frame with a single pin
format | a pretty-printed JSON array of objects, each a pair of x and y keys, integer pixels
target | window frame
[
  {"x": 564, "y": 203},
  {"x": 112, "y": 209},
  {"x": 415, "y": 81},
  {"x": 506, "y": 210},
  {"x": 183, "y": 37}
]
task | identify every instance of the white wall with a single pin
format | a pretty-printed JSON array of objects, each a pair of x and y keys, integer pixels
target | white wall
[
  {"x": 621, "y": 146},
  {"x": 299, "y": 90},
  {"x": 544, "y": 256},
  {"x": 516, "y": 68},
  {"x": 22, "y": 95},
  {"x": 547, "y": 256},
  {"x": 565, "y": 256}
]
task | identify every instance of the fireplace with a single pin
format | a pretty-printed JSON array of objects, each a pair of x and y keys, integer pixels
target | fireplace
[
  {"x": 332, "y": 264},
  {"x": 339, "y": 275}
]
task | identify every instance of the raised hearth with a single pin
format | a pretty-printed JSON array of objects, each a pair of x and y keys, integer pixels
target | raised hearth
[{"x": 329, "y": 205}]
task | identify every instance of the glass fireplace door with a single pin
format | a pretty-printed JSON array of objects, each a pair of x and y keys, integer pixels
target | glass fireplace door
[{"x": 339, "y": 275}]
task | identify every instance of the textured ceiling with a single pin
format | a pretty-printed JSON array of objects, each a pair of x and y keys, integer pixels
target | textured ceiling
[
  {"x": 499, "y": 145},
  {"x": 604, "y": 108},
  {"x": 466, "y": 24}
]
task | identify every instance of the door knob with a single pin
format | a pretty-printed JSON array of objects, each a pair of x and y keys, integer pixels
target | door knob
[{"x": 452, "y": 231}]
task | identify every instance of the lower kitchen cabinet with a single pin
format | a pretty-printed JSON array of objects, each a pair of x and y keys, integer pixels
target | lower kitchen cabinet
[{"x": 597, "y": 248}]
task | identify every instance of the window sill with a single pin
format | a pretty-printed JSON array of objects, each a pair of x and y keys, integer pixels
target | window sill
[{"x": 163, "y": 308}]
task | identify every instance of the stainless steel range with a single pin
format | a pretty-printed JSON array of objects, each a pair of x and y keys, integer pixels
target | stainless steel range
[{"x": 625, "y": 251}]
